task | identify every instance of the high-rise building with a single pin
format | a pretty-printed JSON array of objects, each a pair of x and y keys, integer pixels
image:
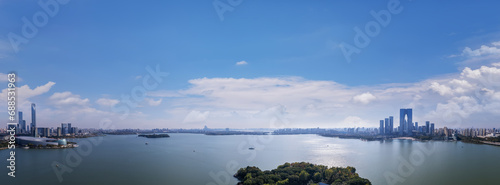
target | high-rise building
[
  {"x": 416, "y": 126},
  {"x": 405, "y": 121},
  {"x": 386, "y": 126},
  {"x": 70, "y": 131},
  {"x": 64, "y": 128},
  {"x": 20, "y": 125},
  {"x": 427, "y": 127},
  {"x": 59, "y": 131},
  {"x": 391, "y": 124},
  {"x": 381, "y": 129},
  {"x": 23, "y": 125},
  {"x": 33, "y": 120},
  {"x": 432, "y": 129},
  {"x": 43, "y": 132}
]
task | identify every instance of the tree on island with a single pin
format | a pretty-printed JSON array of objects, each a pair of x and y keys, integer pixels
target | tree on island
[{"x": 299, "y": 174}]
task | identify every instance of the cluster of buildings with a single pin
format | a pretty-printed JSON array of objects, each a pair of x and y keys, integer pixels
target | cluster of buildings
[
  {"x": 409, "y": 128},
  {"x": 478, "y": 132},
  {"x": 406, "y": 125},
  {"x": 22, "y": 129}
]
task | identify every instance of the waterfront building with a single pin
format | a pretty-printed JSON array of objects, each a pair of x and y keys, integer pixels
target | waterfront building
[
  {"x": 25, "y": 140},
  {"x": 391, "y": 124},
  {"x": 405, "y": 121},
  {"x": 34, "y": 131},
  {"x": 427, "y": 127},
  {"x": 386, "y": 126},
  {"x": 59, "y": 132},
  {"x": 20, "y": 125},
  {"x": 64, "y": 127},
  {"x": 432, "y": 129}
]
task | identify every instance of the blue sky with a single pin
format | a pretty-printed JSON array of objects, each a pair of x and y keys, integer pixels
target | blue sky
[{"x": 94, "y": 50}]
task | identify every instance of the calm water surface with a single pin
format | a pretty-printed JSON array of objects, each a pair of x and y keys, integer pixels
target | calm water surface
[{"x": 192, "y": 159}]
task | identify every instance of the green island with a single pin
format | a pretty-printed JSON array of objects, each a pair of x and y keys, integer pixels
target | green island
[
  {"x": 300, "y": 173},
  {"x": 153, "y": 135}
]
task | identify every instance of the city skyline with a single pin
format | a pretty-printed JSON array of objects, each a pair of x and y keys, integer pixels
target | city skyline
[
  {"x": 386, "y": 126},
  {"x": 222, "y": 78}
]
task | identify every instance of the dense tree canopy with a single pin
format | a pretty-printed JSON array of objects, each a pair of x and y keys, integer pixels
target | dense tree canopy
[{"x": 300, "y": 174}]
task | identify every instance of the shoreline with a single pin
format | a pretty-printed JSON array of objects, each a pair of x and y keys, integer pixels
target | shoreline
[
  {"x": 406, "y": 138},
  {"x": 492, "y": 143}
]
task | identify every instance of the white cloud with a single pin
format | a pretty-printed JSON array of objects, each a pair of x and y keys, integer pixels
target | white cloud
[
  {"x": 441, "y": 89},
  {"x": 482, "y": 50},
  {"x": 164, "y": 94},
  {"x": 152, "y": 102},
  {"x": 67, "y": 98},
  {"x": 25, "y": 95},
  {"x": 107, "y": 102},
  {"x": 240, "y": 63},
  {"x": 448, "y": 100},
  {"x": 196, "y": 116},
  {"x": 25, "y": 92},
  {"x": 364, "y": 98}
]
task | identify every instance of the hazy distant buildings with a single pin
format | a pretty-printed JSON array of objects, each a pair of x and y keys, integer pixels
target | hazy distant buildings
[
  {"x": 416, "y": 127},
  {"x": 381, "y": 128},
  {"x": 386, "y": 126}
]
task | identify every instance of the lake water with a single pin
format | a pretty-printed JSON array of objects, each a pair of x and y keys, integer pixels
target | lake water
[{"x": 192, "y": 159}]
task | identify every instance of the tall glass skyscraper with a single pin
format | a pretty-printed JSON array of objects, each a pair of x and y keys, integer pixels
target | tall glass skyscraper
[
  {"x": 427, "y": 127},
  {"x": 21, "y": 124},
  {"x": 386, "y": 126},
  {"x": 405, "y": 121},
  {"x": 33, "y": 120},
  {"x": 64, "y": 128},
  {"x": 391, "y": 124}
]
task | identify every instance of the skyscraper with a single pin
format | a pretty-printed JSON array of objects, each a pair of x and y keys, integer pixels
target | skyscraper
[
  {"x": 427, "y": 127},
  {"x": 64, "y": 128},
  {"x": 381, "y": 127},
  {"x": 416, "y": 126},
  {"x": 20, "y": 125},
  {"x": 391, "y": 124},
  {"x": 405, "y": 119},
  {"x": 34, "y": 131},
  {"x": 70, "y": 131},
  {"x": 386, "y": 126},
  {"x": 431, "y": 132},
  {"x": 59, "y": 131},
  {"x": 25, "y": 129}
]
